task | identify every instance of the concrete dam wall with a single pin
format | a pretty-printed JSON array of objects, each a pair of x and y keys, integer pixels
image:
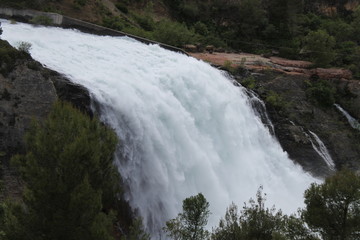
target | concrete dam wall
[{"x": 68, "y": 22}]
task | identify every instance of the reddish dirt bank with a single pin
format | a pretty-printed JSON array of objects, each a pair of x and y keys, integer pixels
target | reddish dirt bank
[{"x": 257, "y": 62}]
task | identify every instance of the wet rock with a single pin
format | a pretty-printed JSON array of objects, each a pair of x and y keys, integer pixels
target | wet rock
[
  {"x": 294, "y": 115},
  {"x": 71, "y": 92}
]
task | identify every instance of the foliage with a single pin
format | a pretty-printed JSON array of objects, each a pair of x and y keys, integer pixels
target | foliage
[
  {"x": 338, "y": 28},
  {"x": 70, "y": 179},
  {"x": 276, "y": 100},
  {"x": 173, "y": 33},
  {"x": 321, "y": 92},
  {"x": 42, "y": 20},
  {"x": 122, "y": 7},
  {"x": 136, "y": 231},
  {"x": 113, "y": 22},
  {"x": 258, "y": 222},
  {"x": 81, "y": 2},
  {"x": 21, "y": 3},
  {"x": 189, "y": 225},
  {"x": 24, "y": 47},
  {"x": 249, "y": 82},
  {"x": 201, "y": 28},
  {"x": 145, "y": 22},
  {"x": 8, "y": 57},
  {"x": 356, "y": 24},
  {"x": 294, "y": 228},
  {"x": 333, "y": 208},
  {"x": 228, "y": 65},
  {"x": 321, "y": 47}
]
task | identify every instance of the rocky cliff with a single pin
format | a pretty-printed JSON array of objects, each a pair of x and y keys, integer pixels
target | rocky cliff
[
  {"x": 300, "y": 100},
  {"x": 27, "y": 92},
  {"x": 297, "y": 112}
]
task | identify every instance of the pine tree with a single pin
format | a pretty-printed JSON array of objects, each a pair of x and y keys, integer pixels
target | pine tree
[
  {"x": 68, "y": 174},
  {"x": 333, "y": 208},
  {"x": 190, "y": 224}
]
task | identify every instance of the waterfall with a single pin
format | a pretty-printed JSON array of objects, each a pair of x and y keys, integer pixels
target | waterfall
[
  {"x": 352, "y": 121},
  {"x": 260, "y": 110},
  {"x": 184, "y": 127},
  {"x": 321, "y": 149}
]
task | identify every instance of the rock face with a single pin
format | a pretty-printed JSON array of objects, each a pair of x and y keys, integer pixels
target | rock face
[
  {"x": 27, "y": 93},
  {"x": 350, "y": 89},
  {"x": 294, "y": 115}
]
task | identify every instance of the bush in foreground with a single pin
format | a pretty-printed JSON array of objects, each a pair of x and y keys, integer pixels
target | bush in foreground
[{"x": 69, "y": 178}]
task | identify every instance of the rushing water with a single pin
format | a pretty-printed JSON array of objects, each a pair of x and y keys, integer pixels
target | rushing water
[
  {"x": 184, "y": 127},
  {"x": 260, "y": 110},
  {"x": 321, "y": 149},
  {"x": 352, "y": 121}
]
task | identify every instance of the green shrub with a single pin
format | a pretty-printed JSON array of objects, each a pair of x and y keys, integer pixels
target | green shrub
[
  {"x": 249, "y": 82},
  {"x": 173, "y": 33},
  {"x": 122, "y": 7},
  {"x": 146, "y": 22},
  {"x": 24, "y": 47},
  {"x": 139, "y": 32},
  {"x": 42, "y": 20},
  {"x": 69, "y": 179},
  {"x": 201, "y": 28},
  {"x": 320, "y": 45},
  {"x": 228, "y": 66},
  {"x": 113, "y": 22},
  {"x": 321, "y": 92},
  {"x": 8, "y": 57},
  {"x": 332, "y": 207},
  {"x": 276, "y": 100},
  {"x": 80, "y": 2}
]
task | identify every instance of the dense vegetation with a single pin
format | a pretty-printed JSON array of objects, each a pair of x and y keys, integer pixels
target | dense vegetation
[
  {"x": 332, "y": 211},
  {"x": 323, "y": 31},
  {"x": 70, "y": 180}
]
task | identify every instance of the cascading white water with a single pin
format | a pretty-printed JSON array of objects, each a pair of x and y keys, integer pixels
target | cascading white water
[
  {"x": 185, "y": 128},
  {"x": 260, "y": 110},
  {"x": 352, "y": 121},
  {"x": 321, "y": 149}
]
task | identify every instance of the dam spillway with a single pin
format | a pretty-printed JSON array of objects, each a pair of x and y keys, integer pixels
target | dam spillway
[{"x": 184, "y": 127}]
